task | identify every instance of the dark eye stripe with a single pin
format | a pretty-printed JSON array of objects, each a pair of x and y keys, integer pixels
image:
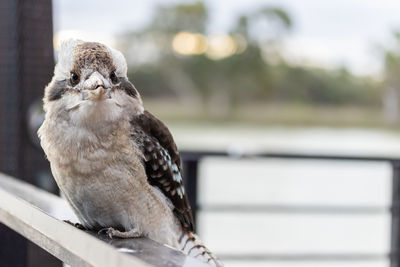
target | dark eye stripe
[
  {"x": 128, "y": 87},
  {"x": 57, "y": 90}
]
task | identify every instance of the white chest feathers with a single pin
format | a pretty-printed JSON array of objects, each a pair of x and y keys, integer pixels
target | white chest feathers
[{"x": 102, "y": 176}]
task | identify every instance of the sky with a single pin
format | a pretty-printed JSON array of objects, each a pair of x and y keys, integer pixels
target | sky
[{"x": 329, "y": 33}]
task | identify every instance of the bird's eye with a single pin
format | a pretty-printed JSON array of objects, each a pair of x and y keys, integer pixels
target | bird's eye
[
  {"x": 74, "y": 78},
  {"x": 113, "y": 77}
]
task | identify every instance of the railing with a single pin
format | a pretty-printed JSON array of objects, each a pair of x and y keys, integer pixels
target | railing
[
  {"x": 191, "y": 163},
  {"x": 37, "y": 215}
]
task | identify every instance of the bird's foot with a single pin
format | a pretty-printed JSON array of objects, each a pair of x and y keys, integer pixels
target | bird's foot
[
  {"x": 111, "y": 232},
  {"x": 77, "y": 225}
]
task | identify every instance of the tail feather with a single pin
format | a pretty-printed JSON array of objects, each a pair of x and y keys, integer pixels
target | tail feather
[{"x": 192, "y": 246}]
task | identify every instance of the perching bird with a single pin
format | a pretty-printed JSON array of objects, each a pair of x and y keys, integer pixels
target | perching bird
[{"x": 116, "y": 163}]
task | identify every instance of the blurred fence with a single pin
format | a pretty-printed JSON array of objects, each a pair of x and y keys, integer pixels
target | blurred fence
[{"x": 191, "y": 160}]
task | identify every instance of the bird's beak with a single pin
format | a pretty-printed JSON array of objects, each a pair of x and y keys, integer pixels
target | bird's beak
[
  {"x": 96, "y": 88},
  {"x": 97, "y": 94}
]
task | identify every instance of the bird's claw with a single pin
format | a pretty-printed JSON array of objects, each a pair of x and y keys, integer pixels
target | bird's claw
[
  {"x": 107, "y": 230},
  {"x": 111, "y": 232},
  {"x": 77, "y": 225}
]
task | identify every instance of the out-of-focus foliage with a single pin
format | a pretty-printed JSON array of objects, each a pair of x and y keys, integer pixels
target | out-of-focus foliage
[
  {"x": 392, "y": 63},
  {"x": 391, "y": 92},
  {"x": 334, "y": 87},
  {"x": 170, "y": 20},
  {"x": 254, "y": 72}
]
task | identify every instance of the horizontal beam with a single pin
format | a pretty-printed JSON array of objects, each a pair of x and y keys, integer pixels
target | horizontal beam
[
  {"x": 306, "y": 257},
  {"x": 36, "y": 214},
  {"x": 296, "y": 209},
  {"x": 197, "y": 155}
]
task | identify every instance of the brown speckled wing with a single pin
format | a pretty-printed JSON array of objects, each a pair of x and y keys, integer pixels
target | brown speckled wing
[{"x": 162, "y": 163}]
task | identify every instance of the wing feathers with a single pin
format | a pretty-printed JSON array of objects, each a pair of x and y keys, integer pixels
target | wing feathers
[{"x": 162, "y": 163}]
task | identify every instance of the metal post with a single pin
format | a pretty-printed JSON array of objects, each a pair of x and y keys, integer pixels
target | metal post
[
  {"x": 395, "y": 231},
  {"x": 190, "y": 168}
]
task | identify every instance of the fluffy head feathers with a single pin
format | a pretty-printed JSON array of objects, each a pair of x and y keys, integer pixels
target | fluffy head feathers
[
  {"x": 90, "y": 85},
  {"x": 69, "y": 49}
]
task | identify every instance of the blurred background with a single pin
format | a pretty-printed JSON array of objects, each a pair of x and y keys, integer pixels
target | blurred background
[{"x": 286, "y": 113}]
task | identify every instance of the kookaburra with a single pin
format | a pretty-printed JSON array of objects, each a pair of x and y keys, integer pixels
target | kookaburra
[{"x": 115, "y": 163}]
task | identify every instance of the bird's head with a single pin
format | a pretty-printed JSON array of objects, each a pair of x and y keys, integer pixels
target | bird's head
[{"x": 90, "y": 84}]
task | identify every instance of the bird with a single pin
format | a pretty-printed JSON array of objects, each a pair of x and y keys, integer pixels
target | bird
[{"x": 116, "y": 164}]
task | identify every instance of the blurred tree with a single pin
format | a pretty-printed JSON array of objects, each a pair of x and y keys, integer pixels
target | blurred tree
[
  {"x": 182, "y": 17},
  {"x": 272, "y": 22},
  {"x": 232, "y": 79},
  {"x": 254, "y": 71},
  {"x": 329, "y": 87},
  {"x": 163, "y": 72},
  {"x": 392, "y": 81},
  {"x": 392, "y": 62}
]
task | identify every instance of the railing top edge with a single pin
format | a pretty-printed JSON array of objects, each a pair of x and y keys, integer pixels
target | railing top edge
[
  {"x": 33, "y": 213},
  {"x": 199, "y": 154}
]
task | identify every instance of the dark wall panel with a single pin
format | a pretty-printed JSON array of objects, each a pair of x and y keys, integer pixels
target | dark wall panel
[{"x": 26, "y": 66}]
